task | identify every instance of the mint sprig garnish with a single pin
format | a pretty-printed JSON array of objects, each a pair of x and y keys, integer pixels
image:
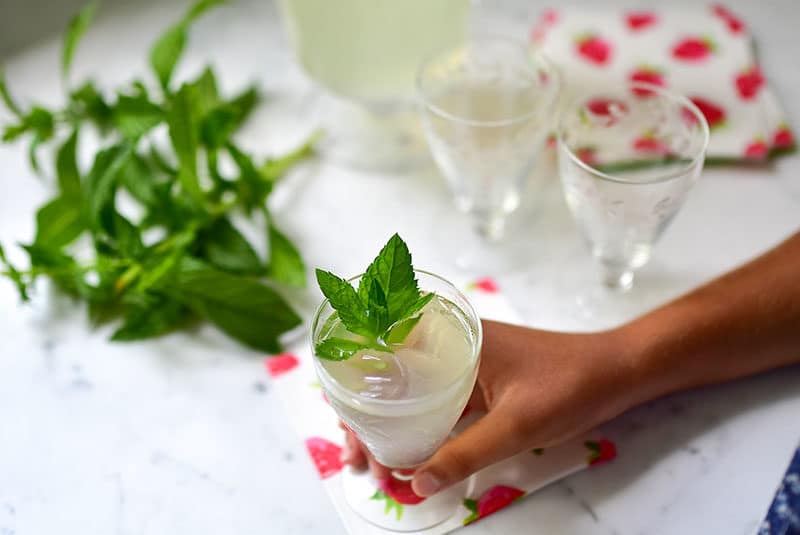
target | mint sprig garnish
[{"x": 382, "y": 311}]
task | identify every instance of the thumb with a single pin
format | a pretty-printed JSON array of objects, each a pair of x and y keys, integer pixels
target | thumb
[{"x": 491, "y": 439}]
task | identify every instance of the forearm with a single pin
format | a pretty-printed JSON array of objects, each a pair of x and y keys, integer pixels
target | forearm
[{"x": 745, "y": 322}]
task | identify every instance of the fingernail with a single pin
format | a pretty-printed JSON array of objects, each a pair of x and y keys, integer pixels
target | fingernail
[{"x": 426, "y": 484}]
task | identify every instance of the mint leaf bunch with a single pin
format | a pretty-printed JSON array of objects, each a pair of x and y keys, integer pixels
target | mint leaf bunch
[
  {"x": 384, "y": 308},
  {"x": 183, "y": 259}
]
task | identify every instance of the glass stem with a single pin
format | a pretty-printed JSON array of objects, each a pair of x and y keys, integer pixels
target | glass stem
[
  {"x": 617, "y": 278},
  {"x": 490, "y": 226}
]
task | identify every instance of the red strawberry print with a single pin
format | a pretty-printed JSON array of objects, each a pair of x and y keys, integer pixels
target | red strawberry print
[
  {"x": 734, "y": 23},
  {"x": 756, "y": 150},
  {"x": 649, "y": 75},
  {"x": 549, "y": 16},
  {"x": 604, "y": 106},
  {"x": 601, "y": 451},
  {"x": 639, "y": 20},
  {"x": 783, "y": 138},
  {"x": 400, "y": 491},
  {"x": 551, "y": 141},
  {"x": 749, "y": 82},
  {"x": 538, "y": 34},
  {"x": 491, "y": 501},
  {"x": 325, "y": 455},
  {"x": 396, "y": 493},
  {"x": 693, "y": 49},
  {"x": 539, "y": 31},
  {"x": 593, "y": 49},
  {"x": 650, "y": 145},
  {"x": 280, "y": 364},
  {"x": 586, "y": 155},
  {"x": 713, "y": 113},
  {"x": 486, "y": 284}
]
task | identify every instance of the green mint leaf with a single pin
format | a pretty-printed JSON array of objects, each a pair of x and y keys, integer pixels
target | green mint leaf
[
  {"x": 159, "y": 271},
  {"x": 138, "y": 178},
  {"x": 273, "y": 169},
  {"x": 401, "y": 330},
  {"x": 69, "y": 177},
  {"x": 155, "y": 319},
  {"x": 337, "y": 349},
  {"x": 13, "y": 131},
  {"x": 60, "y": 221},
  {"x": 418, "y": 305},
  {"x": 14, "y": 275},
  {"x": 62, "y": 269},
  {"x": 32, "y": 159},
  {"x": 44, "y": 256},
  {"x": 160, "y": 162},
  {"x": 183, "y": 133},
  {"x": 285, "y": 263},
  {"x": 221, "y": 184},
  {"x": 394, "y": 273},
  {"x": 182, "y": 128},
  {"x": 343, "y": 298},
  {"x": 134, "y": 116},
  {"x": 243, "y": 104},
  {"x": 377, "y": 309},
  {"x": 218, "y": 126},
  {"x": 166, "y": 52},
  {"x": 200, "y": 7},
  {"x": 205, "y": 92},
  {"x": 5, "y": 95},
  {"x": 252, "y": 188},
  {"x": 41, "y": 121},
  {"x": 120, "y": 236},
  {"x": 87, "y": 103},
  {"x": 77, "y": 27},
  {"x": 102, "y": 179},
  {"x": 242, "y": 307},
  {"x": 224, "y": 247}
]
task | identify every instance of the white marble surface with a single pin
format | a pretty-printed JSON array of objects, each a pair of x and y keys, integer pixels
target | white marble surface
[{"x": 183, "y": 435}]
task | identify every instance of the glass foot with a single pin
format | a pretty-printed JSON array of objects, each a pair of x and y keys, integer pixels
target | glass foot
[{"x": 393, "y": 506}]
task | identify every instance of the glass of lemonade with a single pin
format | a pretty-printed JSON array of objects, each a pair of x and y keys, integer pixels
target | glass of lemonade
[
  {"x": 403, "y": 405},
  {"x": 365, "y": 54},
  {"x": 627, "y": 160},
  {"x": 487, "y": 108}
]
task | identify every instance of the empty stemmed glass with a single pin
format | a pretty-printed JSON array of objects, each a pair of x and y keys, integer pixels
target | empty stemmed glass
[
  {"x": 486, "y": 109},
  {"x": 627, "y": 160}
]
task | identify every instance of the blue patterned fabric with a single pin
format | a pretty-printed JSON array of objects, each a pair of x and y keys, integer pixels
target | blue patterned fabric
[{"x": 783, "y": 517}]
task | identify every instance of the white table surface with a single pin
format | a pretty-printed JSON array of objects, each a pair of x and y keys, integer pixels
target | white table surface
[{"x": 183, "y": 435}]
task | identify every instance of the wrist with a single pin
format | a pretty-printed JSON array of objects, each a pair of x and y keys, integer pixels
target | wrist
[{"x": 633, "y": 381}]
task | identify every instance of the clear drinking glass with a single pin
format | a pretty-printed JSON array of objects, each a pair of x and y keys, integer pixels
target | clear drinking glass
[
  {"x": 403, "y": 405},
  {"x": 486, "y": 111},
  {"x": 627, "y": 160},
  {"x": 365, "y": 53}
]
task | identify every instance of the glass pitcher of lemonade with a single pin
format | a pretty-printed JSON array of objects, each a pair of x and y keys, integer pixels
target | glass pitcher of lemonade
[{"x": 366, "y": 52}]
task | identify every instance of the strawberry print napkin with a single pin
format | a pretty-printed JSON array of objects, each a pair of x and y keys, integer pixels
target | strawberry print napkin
[
  {"x": 492, "y": 489},
  {"x": 703, "y": 52}
]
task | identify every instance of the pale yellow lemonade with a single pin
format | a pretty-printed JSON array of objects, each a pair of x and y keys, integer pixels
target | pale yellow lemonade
[
  {"x": 370, "y": 49},
  {"x": 403, "y": 404}
]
